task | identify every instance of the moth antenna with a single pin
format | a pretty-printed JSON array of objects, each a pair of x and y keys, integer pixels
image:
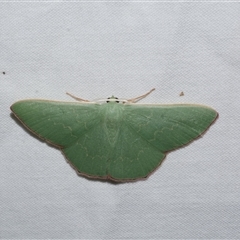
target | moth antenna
[
  {"x": 134, "y": 100},
  {"x": 77, "y": 98}
]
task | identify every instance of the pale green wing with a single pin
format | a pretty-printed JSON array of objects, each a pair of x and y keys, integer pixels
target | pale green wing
[
  {"x": 149, "y": 131},
  {"x": 74, "y": 127},
  {"x": 60, "y": 123},
  {"x": 168, "y": 127}
]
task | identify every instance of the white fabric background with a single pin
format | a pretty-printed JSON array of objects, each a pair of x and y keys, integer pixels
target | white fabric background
[{"x": 94, "y": 50}]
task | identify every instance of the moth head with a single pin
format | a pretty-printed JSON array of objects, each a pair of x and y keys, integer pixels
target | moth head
[{"x": 112, "y": 99}]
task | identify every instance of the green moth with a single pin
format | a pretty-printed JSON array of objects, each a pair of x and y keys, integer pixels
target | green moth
[{"x": 114, "y": 139}]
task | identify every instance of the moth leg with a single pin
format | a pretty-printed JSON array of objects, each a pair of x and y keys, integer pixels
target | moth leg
[
  {"x": 134, "y": 100},
  {"x": 77, "y": 98}
]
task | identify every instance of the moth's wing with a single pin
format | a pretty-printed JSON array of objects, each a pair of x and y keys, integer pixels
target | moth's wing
[
  {"x": 168, "y": 127},
  {"x": 59, "y": 123},
  {"x": 133, "y": 157},
  {"x": 74, "y": 127},
  {"x": 152, "y": 130}
]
